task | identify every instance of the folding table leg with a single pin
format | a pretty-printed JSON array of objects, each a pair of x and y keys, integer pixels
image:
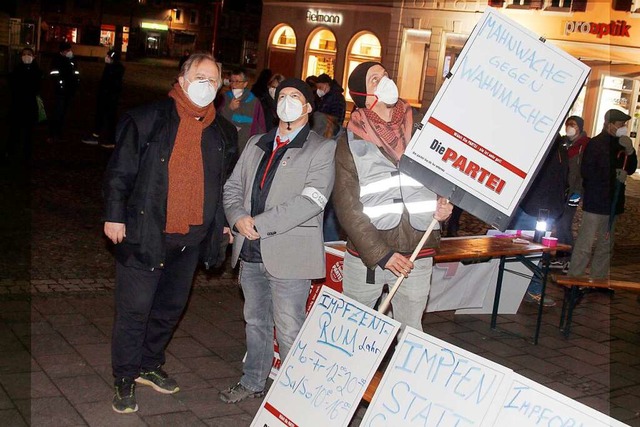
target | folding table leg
[
  {"x": 565, "y": 301},
  {"x": 572, "y": 303}
]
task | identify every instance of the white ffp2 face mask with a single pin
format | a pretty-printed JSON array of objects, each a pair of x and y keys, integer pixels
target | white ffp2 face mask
[
  {"x": 387, "y": 91},
  {"x": 272, "y": 92},
  {"x": 201, "y": 92},
  {"x": 571, "y": 131},
  {"x": 622, "y": 131},
  {"x": 289, "y": 109},
  {"x": 237, "y": 93},
  {"x": 27, "y": 59}
]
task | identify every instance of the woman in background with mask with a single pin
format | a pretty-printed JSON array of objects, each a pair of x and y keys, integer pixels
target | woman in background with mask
[
  {"x": 575, "y": 141},
  {"x": 25, "y": 83},
  {"x": 373, "y": 199}
]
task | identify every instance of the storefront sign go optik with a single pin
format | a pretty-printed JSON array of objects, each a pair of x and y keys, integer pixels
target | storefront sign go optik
[{"x": 614, "y": 28}]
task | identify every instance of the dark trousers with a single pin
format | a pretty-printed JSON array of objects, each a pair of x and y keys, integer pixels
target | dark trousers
[
  {"x": 148, "y": 307},
  {"x": 106, "y": 112},
  {"x": 56, "y": 119}
]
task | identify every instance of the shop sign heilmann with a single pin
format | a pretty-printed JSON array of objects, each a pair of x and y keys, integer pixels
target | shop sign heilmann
[
  {"x": 599, "y": 29},
  {"x": 318, "y": 16}
]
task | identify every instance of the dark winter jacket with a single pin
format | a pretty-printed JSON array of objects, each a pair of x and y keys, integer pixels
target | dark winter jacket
[
  {"x": 601, "y": 158},
  {"x": 25, "y": 82},
  {"x": 136, "y": 182},
  {"x": 333, "y": 103},
  {"x": 111, "y": 81},
  {"x": 549, "y": 188},
  {"x": 65, "y": 75}
]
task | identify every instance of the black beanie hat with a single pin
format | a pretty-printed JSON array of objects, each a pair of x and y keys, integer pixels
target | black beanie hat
[
  {"x": 579, "y": 121},
  {"x": 358, "y": 82},
  {"x": 295, "y": 83}
]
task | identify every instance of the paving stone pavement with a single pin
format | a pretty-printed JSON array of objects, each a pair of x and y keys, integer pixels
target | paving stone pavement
[{"x": 56, "y": 305}]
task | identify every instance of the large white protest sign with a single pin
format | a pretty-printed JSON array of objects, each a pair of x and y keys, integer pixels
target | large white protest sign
[
  {"x": 327, "y": 370},
  {"x": 529, "y": 404},
  {"x": 493, "y": 120},
  {"x": 430, "y": 383}
]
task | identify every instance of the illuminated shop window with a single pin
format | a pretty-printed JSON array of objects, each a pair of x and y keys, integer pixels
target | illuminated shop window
[
  {"x": 362, "y": 48},
  {"x": 284, "y": 37},
  {"x": 282, "y": 50},
  {"x": 413, "y": 60},
  {"x": 320, "y": 56},
  {"x": 453, "y": 46},
  {"x": 615, "y": 92}
]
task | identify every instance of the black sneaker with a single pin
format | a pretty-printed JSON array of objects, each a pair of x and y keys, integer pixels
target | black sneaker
[
  {"x": 124, "y": 399},
  {"x": 159, "y": 380},
  {"x": 91, "y": 139},
  {"x": 535, "y": 299},
  {"x": 238, "y": 393}
]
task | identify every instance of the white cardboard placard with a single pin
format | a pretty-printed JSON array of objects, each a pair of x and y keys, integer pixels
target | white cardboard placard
[
  {"x": 494, "y": 119},
  {"x": 430, "y": 382},
  {"x": 330, "y": 365},
  {"x": 529, "y": 404}
]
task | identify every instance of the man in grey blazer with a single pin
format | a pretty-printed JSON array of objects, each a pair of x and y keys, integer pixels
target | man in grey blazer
[{"x": 274, "y": 200}]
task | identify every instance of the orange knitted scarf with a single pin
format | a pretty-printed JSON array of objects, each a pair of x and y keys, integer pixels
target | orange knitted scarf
[{"x": 185, "y": 198}]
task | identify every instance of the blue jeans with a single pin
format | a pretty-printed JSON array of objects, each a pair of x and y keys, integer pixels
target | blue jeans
[
  {"x": 269, "y": 300},
  {"x": 148, "y": 307},
  {"x": 524, "y": 221}
]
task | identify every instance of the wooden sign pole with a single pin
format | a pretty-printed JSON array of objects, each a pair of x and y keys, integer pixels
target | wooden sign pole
[{"x": 385, "y": 304}]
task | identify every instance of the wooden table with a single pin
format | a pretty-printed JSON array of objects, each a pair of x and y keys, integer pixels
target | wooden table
[
  {"x": 477, "y": 249},
  {"x": 484, "y": 248}
]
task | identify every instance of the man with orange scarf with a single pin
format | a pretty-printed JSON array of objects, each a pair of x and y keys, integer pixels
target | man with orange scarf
[
  {"x": 163, "y": 211},
  {"x": 383, "y": 211}
]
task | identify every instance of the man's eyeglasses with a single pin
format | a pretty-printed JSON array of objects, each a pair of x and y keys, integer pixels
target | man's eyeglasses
[
  {"x": 236, "y": 81},
  {"x": 202, "y": 79}
]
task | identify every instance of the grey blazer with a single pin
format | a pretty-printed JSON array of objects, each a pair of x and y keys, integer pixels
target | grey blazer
[{"x": 290, "y": 228}]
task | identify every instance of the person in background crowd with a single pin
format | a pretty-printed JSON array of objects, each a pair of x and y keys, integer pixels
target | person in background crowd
[
  {"x": 269, "y": 103},
  {"x": 25, "y": 83},
  {"x": 261, "y": 85},
  {"x": 312, "y": 82},
  {"x": 66, "y": 79},
  {"x": 331, "y": 103},
  {"x": 274, "y": 200},
  {"x": 242, "y": 108},
  {"x": 372, "y": 208},
  {"x": 222, "y": 90},
  {"x": 109, "y": 92},
  {"x": 163, "y": 211},
  {"x": 608, "y": 158},
  {"x": 575, "y": 142},
  {"x": 185, "y": 55},
  {"x": 548, "y": 191}
]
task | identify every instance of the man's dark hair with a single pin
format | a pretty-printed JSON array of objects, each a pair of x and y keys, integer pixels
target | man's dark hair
[{"x": 239, "y": 72}]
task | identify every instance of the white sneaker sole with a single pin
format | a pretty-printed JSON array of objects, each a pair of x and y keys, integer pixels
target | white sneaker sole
[
  {"x": 155, "y": 387},
  {"x": 126, "y": 411}
]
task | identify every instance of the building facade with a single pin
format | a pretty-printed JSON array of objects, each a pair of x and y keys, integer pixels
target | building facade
[
  {"x": 420, "y": 41},
  {"x": 164, "y": 28}
]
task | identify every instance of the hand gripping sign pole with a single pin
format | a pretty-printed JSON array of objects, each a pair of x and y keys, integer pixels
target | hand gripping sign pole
[{"x": 385, "y": 304}]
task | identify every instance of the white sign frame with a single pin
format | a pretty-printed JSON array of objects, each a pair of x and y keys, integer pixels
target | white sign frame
[
  {"x": 329, "y": 366},
  {"x": 547, "y": 407},
  {"x": 415, "y": 380},
  {"x": 494, "y": 119}
]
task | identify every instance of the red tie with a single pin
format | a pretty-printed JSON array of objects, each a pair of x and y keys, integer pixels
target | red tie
[{"x": 279, "y": 145}]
